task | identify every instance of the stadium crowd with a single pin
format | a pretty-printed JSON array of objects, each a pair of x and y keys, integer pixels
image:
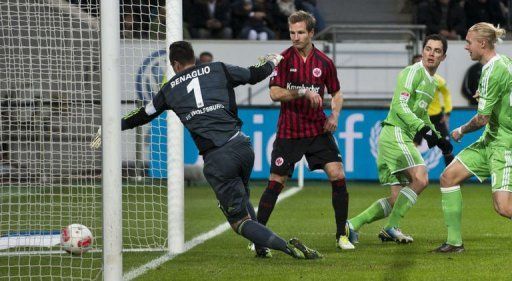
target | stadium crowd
[
  {"x": 267, "y": 19},
  {"x": 452, "y": 18}
]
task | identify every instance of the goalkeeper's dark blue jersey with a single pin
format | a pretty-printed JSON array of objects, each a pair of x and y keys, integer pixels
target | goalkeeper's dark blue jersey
[{"x": 204, "y": 100}]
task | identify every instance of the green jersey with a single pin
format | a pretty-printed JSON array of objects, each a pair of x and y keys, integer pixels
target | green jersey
[
  {"x": 494, "y": 88},
  {"x": 413, "y": 93}
]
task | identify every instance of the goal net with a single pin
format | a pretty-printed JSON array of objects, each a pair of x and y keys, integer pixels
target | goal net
[{"x": 50, "y": 88}]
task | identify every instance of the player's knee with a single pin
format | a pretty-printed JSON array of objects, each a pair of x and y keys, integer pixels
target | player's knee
[
  {"x": 392, "y": 199},
  {"x": 238, "y": 225},
  {"x": 420, "y": 182},
  {"x": 504, "y": 210},
  {"x": 278, "y": 178},
  {"x": 334, "y": 171},
  {"x": 234, "y": 211},
  {"x": 335, "y": 175},
  {"x": 446, "y": 179}
]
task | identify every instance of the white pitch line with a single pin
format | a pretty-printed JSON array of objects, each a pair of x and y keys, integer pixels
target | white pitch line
[{"x": 198, "y": 240}]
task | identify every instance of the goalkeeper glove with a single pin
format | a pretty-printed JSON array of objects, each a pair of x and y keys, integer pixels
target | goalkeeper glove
[
  {"x": 429, "y": 135},
  {"x": 445, "y": 146},
  {"x": 96, "y": 142},
  {"x": 274, "y": 58}
]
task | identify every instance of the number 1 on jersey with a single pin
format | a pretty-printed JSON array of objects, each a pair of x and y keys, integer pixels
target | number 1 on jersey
[{"x": 194, "y": 86}]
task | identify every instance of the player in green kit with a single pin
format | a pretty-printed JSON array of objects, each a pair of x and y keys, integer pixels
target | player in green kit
[
  {"x": 491, "y": 154},
  {"x": 399, "y": 162}
]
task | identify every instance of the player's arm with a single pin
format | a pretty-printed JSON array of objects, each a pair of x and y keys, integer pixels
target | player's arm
[
  {"x": 136, "y": 117},
  {"x": 477, "y": 122},
  {"x": 139, "y": 116},
  {"x": 447, "y": 99},
  {"x": 400, "y": 102},
  {"x": 331, "y": 124},
  {"x": 281, "y": 94},
  {"x": 145, "y": 114},
  {"x": 447, "y": 103},
  {"x": 254, "y": 74}
]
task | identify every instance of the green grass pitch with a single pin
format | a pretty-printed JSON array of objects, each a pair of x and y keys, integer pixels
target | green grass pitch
[{"x": 309, "y": 216}]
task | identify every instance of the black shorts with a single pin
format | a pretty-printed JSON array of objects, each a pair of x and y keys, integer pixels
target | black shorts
[
  {"x": 319, "y": 150},
  {"x": 228, "y": 169}
]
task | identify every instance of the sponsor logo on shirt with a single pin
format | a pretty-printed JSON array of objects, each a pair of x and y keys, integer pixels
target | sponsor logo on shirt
[
  {"x": 404, "y": 96},
  {"x": 317, "y": 72},
  {"x": 293, "y": 69},
  {"x": 312, "y": 88}
]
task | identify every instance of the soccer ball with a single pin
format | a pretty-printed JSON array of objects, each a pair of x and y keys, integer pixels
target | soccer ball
[{"x": 76, "y": 239}]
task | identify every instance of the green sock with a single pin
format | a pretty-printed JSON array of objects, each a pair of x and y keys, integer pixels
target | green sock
[
  {"x": 405, "y": 200},
  {"x": 452, "y": 209},
  {"x": 378, "y": 210}
]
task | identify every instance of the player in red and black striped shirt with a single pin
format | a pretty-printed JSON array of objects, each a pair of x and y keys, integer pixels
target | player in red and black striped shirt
[{"x": 299, "y": 83}]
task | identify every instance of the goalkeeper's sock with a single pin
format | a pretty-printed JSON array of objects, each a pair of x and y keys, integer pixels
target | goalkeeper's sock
[
  {"x": 378, "y": 210},
  {"x": 451, "y": 200},
  {"x": 340, "y": 205},
  {"x": 252, "y": 213},
  {"x": 405, "y": 200},
  {"x": 262, "y": 236},
  {"x": 268, "y": 201},
  {"x": 250, "y": 209}
]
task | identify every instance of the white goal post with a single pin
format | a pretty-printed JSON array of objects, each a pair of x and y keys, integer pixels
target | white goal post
[
  {"x": 61, "y": 63},
  {"x": 69, "y": 66}
]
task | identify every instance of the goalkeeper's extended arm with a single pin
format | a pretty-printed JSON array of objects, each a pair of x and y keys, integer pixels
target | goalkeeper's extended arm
[
  {"x": 240, "y": 76},
  {"x": 131, "y": 120},
  {"x": 259, "y": 73},
  {"x": 139, "y": 117},
  {"x": 264, "y": 68}
]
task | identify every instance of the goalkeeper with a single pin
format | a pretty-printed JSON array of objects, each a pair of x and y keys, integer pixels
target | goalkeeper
[
  {"x": 204, "y": 99},
  {"x": 399, "y": 162}
]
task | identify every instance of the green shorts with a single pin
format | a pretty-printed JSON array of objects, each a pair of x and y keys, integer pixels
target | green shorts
[
  {"x": 396, "y": 153},
  {"x": 486, "y": 160}
]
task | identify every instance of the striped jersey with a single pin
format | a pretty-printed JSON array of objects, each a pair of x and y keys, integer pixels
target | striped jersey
[
  {"x": 413, "y": 93},
  {"x": 495, "y": 87},
  {"x": 297, "y": 119}
]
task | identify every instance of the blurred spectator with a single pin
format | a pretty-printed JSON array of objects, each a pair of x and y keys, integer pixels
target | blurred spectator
[
  {"x": 205, "y": 57},
  {"x": 310, "y": 7},
  {"x": 136, "y": 18},
  {"x": 90, "y": 6},
  {"x": 505, "y": 11},
  {"x": 484, "y": 11},
  {"x": 281, "y": 10},
  {"x": 445, "y": 17},
  {"x": 128, "y": 26},
  {"x": 211, "y": 19},
  {"x": 158, "y": 27},
  {"x": 470, "y": 83},
  {"x": 255, "y": 18}
]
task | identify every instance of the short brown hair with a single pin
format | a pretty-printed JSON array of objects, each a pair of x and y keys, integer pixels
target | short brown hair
[
  {"x": 436, "y": 37},
  {"x": 306, "y": 17}
]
